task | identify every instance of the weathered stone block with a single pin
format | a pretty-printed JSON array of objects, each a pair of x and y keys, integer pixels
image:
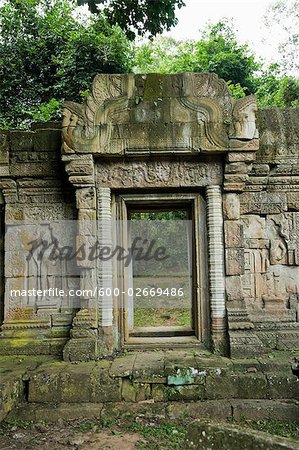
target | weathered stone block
[
  {"x": 231, "y": 206},
  {"x": 254, "y": 227},
  {"x": 282, "y": 386},
  {"x": 220, "y": 385},
  {"x": 205, "y": 436},
  {"x": 264, "y": 409},
  {"x": 234, "y": 288},
  {"x": 233, "y": 233},
  {"x": 122, "y": 366},
  {"x": 263, "y": 203},
  {"x": 150, "y": 367},
  {"x": 102, "y": 387},
  {"x": 159, "y": 392},
  {"x": 75, "y": 383},
  {"x": 47, "y": 140},
  {"x": 45, "y": 384},
  {"x": 234, "y": 261},
  {"x": 239, "y": 167},
  {"x": 11, "y": 392},
  {"x": 21, "y": 140},
  {"x": 293, "y": 200},
  {"x": 185, "y": 393},
  {"x": 241, "y": 157},
  {"x": 218, "y": 409},
  {"x": 128, "y": 391},
  {"x": 238, "y": 385}
]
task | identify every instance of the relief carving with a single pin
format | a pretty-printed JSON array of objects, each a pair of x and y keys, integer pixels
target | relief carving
[
  {"x": 80, "y": 125},
  {"x": 158, "y": 173},
  {"x": 34, "y": 263},
  {"x": 123, "y": 112},
  {"x": 244, "y": 116},
  {"x": 270, "y": 285},
  {"x": 285, "y": 238}
]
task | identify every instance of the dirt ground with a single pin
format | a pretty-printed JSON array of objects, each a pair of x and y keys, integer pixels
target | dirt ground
[
  {"x": 135, "y": 434},
  {"x": 62, "y": 437}
]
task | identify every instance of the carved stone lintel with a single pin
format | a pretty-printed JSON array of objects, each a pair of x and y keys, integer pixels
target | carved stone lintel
[
  {"x": 161, "y": 173},
  {"x": 123, "y": 113}
]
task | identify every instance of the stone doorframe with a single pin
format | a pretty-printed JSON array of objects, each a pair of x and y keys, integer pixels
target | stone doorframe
[
  {"x": 195, "y": 117},
  {"x": 195, "y": 203}
]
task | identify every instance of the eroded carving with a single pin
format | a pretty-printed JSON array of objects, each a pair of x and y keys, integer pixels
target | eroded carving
[
  {"x": 158, "y": 173},
  {"x": 124, "y": 114},
  {"x": 244, "y": 115},
  {"x": 80, "y": 125}
]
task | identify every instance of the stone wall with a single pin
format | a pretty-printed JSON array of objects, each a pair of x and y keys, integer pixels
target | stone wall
[
  {"x": 262, "y": 228},
  {"x": 175, "y": 133},
  {"x": 35, "y": 190}
]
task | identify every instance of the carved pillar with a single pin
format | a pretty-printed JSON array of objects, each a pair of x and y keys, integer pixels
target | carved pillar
[
  {"x": 216, "y": 269},
  {"x": 91, "y": 335},
  {"x": 105, "y": 267},
  {"x": 83, "y": 344},
  {"x": 105, "y": 272}
]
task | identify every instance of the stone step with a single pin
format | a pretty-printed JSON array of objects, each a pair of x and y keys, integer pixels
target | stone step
[
  {"x": 237, "y": 409},
  {"x": 157, "y": 376},
  {"x": 206, "y": 436}
]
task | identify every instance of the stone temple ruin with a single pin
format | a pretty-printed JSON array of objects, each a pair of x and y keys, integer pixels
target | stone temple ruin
[{"x": 159, "y": 140}]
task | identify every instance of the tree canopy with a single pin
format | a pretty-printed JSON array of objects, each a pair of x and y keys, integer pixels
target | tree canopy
[
  {"x": 47, "y": 54},
  {"x": 144, "y": 16},
  {"x": 216, "y": 51},
  {"x": 219, "y": 51}
]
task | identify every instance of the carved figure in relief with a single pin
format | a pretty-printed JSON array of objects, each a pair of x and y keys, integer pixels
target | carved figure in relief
[
  {"x": 244, "y": 118},
  {"x": 287, "y": 232}
]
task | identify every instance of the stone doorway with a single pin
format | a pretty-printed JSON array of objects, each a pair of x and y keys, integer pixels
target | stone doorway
[
  {"x": 136, "y": 139},
  {"x": 163, "y": 300}
]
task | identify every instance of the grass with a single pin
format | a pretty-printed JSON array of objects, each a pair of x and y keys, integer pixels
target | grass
[
  {"x": 156, "y": 436},
  {"x": 283, "y": 428},
  {"x": 155, "y": 317},
  {"x": 163, "y": 436},
  {"x": 288, "y": 429}
]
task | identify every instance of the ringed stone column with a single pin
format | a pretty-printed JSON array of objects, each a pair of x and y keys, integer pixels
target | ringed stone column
[
  {"x": 105, "y": 270},
  {"x": 216, "y": 269}
]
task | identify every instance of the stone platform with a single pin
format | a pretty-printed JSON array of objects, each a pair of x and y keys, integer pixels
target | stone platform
[{"x": 174, "y": 384}]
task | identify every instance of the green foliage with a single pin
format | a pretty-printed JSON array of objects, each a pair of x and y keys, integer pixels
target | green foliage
[
  {"x": 47, "y": 111},
  {"x": 237, "y": 90},
  {"x": 47, "y": 54},
  {"x": 285, "y": 428},
  {"x": 217, "y": 51},
  {"x": 273, "y": 89},
  {"x": 161, "y": 436},
  {"x": 141, "y": 17},
  {"x": 290, "y": 93}
]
